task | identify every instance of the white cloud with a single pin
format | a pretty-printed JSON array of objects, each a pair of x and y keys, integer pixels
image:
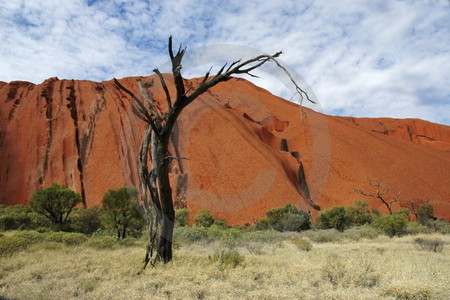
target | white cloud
[{"x": 361, "y": 58}]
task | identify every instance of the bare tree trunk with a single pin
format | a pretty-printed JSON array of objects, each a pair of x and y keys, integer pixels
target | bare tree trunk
[{"x": 155, "y": 185}]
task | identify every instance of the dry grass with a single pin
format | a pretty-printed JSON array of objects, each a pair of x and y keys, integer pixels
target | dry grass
[{"x": 382, "y": 268}]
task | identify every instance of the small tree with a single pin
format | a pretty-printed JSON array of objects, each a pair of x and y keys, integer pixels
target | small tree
[
  {"x": 121, "y": 211},
  {"x": 336, "y": 217},
  {"x": 204, "y": 218},
  {"x": 55, "y": 203}
]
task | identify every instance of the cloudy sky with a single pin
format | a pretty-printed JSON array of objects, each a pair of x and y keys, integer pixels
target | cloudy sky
[{"x": 368, "y": 58}]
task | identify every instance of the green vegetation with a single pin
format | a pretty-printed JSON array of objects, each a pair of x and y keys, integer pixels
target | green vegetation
[
  {"x": 204, "y": 218},
  {"x": 425, "y": 215},
  {"x": 337, "y": 218},
  {"x": 287, "y": 218},
  {"x": 121, "y": 213},
  {"x": 55, "y": 203},
  {"x": 85, "y": 220},
  {"x": 392, "y": 225},
  {"x": 181, "y": 217}
]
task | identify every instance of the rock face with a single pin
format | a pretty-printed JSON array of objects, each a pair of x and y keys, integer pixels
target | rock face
[{"x": 248, "y": 150}]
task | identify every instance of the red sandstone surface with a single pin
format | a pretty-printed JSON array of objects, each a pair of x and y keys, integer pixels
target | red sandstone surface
[{"x": 249, "y": 151}]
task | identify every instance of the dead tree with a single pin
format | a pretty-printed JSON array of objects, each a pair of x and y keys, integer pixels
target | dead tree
[
  {"x": 155, "y": 187},
  {"x": 380, "y": 194}
]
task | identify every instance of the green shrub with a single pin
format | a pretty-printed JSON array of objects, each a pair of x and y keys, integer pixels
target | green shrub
[
  {"x": 359, "y": 213},
  {"x": 322, "y": 235},
  {"x": 68, "y": 238},
  {"x": 221, "y": 223},
  {"x": 85, "y": 220},
  {"x": 10, "y": 245},
  {"x": 129, "y": 241},
  {"x": 31, "y": 236},
  {"x": 231, "y": 237},
  {"x": 15, "y": 216},
  {"x": 20, "y": 241},
  {"x": 416, "y": 228},
  {"x": 302, "y": 244},
  {"x": 7, "y": 223},
  {"x": 228, "y": 258},
  {"x": 101, "y": 242},
  {"x": 425, "y": 214},
  {"x": 204, "y": 218},
  {"x": 287, "y": 218},
  {"x": 392, "y": 225},
  {"x": 262, "y": 224},
  {"x": 361, "y": 232},
  {"x": 336, "y": 217},
  {"x": 266, "y": 236},
  {"x": 181, "y": 217},
  {"x": 190, "y": 234}
]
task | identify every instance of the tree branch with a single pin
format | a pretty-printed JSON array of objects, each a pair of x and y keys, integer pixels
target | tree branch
[{"x": 164, "y": 86}]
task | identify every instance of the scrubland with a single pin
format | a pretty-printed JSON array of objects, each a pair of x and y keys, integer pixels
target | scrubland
[{"x": 319, "y": 264}]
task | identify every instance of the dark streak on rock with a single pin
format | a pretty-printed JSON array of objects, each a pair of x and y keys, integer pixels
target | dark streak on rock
[
  {"x": 47, "y": 93},
  {"x": 284, "y": 145},
  {"x": 74, "y": 115}
]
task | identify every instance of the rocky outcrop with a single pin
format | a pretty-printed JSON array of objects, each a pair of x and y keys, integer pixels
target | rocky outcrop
[{"x": 248, "y": 151}]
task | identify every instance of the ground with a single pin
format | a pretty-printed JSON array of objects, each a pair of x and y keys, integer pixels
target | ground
[{"x": 381, "y": 268}]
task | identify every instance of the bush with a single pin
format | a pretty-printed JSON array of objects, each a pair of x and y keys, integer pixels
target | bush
[
  {"x": 435, "y": 245},
  {"x": 336, "y": 217},
  {"x": 361, "y": 232},
  {"x": 322, "y": 235},
  {"x": 302, "y": 244},
  {"x": 425, "y": 214},
  {"x": 15, "y": 216},
  {"x": 190, "y": 234},
  {"x": 228, "y": 258},
  {"x": 181, "y": 217},
  {"x": 18, "y": 242},
  {"x": 392, "y": 225},
  {"x": 268, "y": 236},
  {"x": 287, "y": 218},
  {"x": 359, "y": 213},
  {"x": 230, "y": 237},
  {"x": 221, "y": 223},
  {"x": 68, "y": 238},
  {"x": 204, "y": 218},
  {"x": 85, "y": 220},
  {"x": 262, "y": 224},
  {"x": 416, "y": 228},
  {"x": 101, "y": 242}
]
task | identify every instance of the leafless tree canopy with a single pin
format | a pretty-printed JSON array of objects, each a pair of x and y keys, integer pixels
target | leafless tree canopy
[{"x": 381, "y": 194}]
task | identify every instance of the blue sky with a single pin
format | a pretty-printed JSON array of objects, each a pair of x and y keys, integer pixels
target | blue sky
[{"x": 363, "y": 58}]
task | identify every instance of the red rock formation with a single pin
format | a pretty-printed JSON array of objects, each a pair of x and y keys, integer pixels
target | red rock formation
[{"x": 248, "y": 150}]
